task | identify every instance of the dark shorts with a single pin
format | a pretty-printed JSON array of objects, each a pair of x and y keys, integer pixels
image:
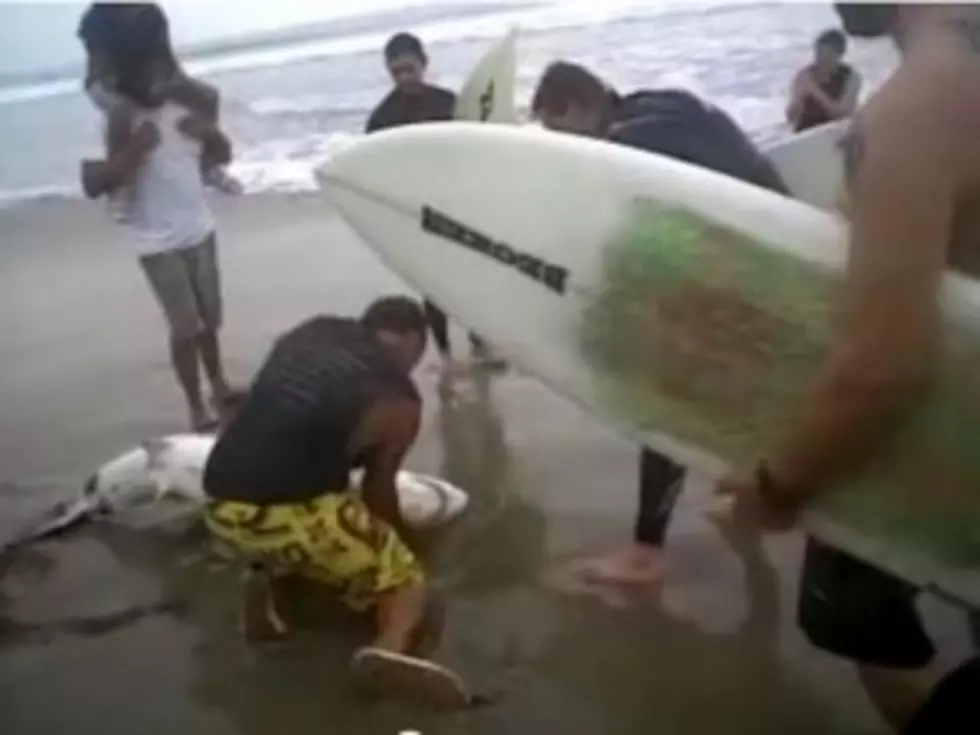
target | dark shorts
[
  {"x": 951, "y": 708},
  {"x": 853, "y": 610}
]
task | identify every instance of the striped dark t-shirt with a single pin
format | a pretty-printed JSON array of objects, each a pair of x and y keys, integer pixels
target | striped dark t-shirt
[{"x": 290, "y": 441}]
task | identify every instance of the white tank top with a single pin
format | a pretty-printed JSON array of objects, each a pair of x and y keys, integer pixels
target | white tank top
[{"x": 167, "y": 205}]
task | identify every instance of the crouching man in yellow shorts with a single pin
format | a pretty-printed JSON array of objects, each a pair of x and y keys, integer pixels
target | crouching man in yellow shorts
[{"x": 335, "y": 394}]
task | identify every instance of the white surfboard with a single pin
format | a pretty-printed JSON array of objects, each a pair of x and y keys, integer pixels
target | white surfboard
[
  {"x": 812, "y": 164},
  {"x": 487, "y": 95},
  {"x": 520, "y": 235}
]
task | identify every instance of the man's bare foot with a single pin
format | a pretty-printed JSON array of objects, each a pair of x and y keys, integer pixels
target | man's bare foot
[
  {"x": 225, "y": 399},
  {"x": 202, "y": 421},
  {"x": 633, "y": 565},
  {"x": 397, "y": 674},
  {"x": 569, "y": 581}
]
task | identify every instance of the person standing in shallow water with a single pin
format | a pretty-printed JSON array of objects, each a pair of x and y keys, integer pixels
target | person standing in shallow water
[
  {"x": 413, "y": 100},
  {"x": 826, "y": 89},
  {"x": 912, "y": 159}
]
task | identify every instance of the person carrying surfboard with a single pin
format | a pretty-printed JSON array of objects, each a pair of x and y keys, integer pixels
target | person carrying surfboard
[
  {"x": 826, "y": 89},
  {"x": 675, "y": 123},
  {"x": 332, "y": 395},
  {"x": 414, "y": 100},
  {"x": 913, "y": 171}
]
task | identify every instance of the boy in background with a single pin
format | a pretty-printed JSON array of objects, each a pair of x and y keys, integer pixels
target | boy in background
[{"x": 413, "y": 100}]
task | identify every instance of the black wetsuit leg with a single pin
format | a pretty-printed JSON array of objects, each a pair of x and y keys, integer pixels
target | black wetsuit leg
[
  {"x": 661, "y": 481},
  {"x": 439, "y": 325}
]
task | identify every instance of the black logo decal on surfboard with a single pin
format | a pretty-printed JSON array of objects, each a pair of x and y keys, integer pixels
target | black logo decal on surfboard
[
  {"x": 486, "y": 102},
  {"x": 549, "y": 275}
]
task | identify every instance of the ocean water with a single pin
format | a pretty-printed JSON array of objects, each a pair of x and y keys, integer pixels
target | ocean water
[{"x": 296, "y": 82}]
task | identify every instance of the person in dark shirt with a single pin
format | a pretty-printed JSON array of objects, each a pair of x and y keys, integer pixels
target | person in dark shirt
[
  {"x": 334, "y": 394},
  {"x": 413, "y": 100},
  {"x": 827, "y": 89},
  {"x": 675, "y": 123}
]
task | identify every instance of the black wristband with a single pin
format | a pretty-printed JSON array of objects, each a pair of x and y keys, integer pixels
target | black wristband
[{"x": 769, "y": 489}]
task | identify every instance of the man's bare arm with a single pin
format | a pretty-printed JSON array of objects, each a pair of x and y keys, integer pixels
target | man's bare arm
[
  {"x": 392, "y": 426},
  {"x": 848, "y": 103},
  {"x": 197, "y": 96},
  {"x": 216, "y": 146},
  {"x": 837, "y": 109},
  {"x": 797, "y": 97},
  {"x": 902, "y": 206},
  {"x": 126, "y": 149}
]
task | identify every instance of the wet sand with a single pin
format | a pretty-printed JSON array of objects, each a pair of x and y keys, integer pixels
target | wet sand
[{"x": 120, "y": 629}]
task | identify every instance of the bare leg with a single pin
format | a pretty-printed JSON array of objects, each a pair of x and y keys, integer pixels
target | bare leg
[
  {"x": 428, "y": 634},
  {"x": 210, "y": 351},
  {"x": 260, "y": 616},
  {"x": 391, "y": 665},
  {"x": 897, "y": 694},
  {"x": 183, "y": 355},
  {"x": 399, "y": 614}
]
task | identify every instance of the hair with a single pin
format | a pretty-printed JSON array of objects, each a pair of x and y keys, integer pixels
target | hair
[
  {"x": 564, "y": 85},
  {"x": 132, "y": 38},
  {"x": 404, "y": 44},
  {"x": 833, "y": 38},
  {"x": 398, "y": 314},
  {"x": 125, "y": 32},
  {"x": 867, "y": 20}
]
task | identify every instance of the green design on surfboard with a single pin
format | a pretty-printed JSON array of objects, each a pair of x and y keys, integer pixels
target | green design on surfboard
[{"x": 705, "y": 334}]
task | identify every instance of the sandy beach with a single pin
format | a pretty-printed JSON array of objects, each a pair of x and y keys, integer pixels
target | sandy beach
[{"x": 121, "y": 629}]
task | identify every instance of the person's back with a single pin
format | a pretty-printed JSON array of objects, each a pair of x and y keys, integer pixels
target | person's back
[
  {"x": 938, "y": 87},
  {"x": 678, "y": 124},
  {"x": 168, "y": 205},
  {"x": 289, "y": 442}
]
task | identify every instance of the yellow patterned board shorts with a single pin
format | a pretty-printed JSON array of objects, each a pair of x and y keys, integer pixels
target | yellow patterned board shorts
[{"x": 332, "y": 539}]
